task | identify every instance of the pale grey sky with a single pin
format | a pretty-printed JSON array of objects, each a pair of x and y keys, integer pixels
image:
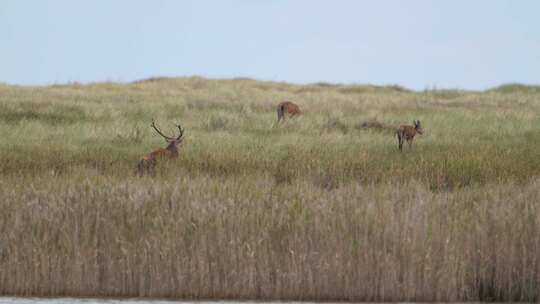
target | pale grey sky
[{"x": 470, "y": 44}]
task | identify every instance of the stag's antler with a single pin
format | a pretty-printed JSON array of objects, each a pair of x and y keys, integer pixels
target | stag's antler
[
  {"x": 181, "y": 132},
  {"x": 159, "y": 132}
]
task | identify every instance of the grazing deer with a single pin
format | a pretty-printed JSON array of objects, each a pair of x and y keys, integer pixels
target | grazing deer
[
  {"x": 408, "y": 133},
  {"x": 287, "y": 107},
  {"x": 149, "y": 161}
]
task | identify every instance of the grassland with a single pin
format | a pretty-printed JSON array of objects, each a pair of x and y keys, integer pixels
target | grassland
[{"x": 316, "y": 208}]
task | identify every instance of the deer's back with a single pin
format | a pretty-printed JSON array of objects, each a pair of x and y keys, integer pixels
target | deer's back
[
  {"x": 407, "y": 131},
  {"x": 290, "y": 107}
]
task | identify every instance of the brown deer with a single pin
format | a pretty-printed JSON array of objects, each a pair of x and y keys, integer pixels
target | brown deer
[
  {"x": 287, "y": 107},
  {"x": 148, "y": 163},
  {"x": 408, "y": 133}
]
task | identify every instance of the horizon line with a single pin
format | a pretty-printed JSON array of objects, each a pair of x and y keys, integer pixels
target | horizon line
[{"x": 398, "y": 86}]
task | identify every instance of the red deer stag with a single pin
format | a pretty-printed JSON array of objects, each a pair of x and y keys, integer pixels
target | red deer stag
[
  {"x": 408, "y": 133},
  {"x": 148, "y": 163},
  {"x": 287, "y": 107}
]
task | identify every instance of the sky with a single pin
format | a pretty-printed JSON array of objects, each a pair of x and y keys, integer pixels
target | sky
[{"x": 418, "y": 44}]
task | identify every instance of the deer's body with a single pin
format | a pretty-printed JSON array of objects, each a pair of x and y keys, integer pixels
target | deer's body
[
  {"x": 148, "y": 163},
  {"x": 407, "y": 133},
  {"x": 287, "y": 107},
  {"x": 162, "y": 153}
]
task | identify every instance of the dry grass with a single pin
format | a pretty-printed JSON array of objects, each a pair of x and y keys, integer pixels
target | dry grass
[{"x": 316, "y": 208}]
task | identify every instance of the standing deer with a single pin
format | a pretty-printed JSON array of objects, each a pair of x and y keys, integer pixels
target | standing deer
[
  {"x": 408, "y": 133},
  {"x": 287, "y": 107},
  {"x": 148, "y": 163}
]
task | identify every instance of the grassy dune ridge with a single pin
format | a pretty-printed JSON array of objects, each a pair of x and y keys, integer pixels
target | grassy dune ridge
[{"x": 317, "y": 208}]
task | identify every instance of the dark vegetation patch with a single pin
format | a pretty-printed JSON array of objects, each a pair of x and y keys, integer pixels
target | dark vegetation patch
[
  {"x": 363, "y": 89},
  {"x": 445, "y": 93},
  {"x": 151, "y": 80},
  {"x": 242, "y": 79},
  {"x": 354, "y": 90},
  {"x": 374, "y": 125},
  {"x": 397, "y": 88},
  {"x": 71, "y": 84},
  {"x": 325, "y": 84},
  {"x": 56, "y": 115},
  {"x": 516, "y": 88}
]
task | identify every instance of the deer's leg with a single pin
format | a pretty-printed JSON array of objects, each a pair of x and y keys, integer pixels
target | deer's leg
[
  {"x": 409, "y": 142},
  {"x": 140, "y": 168},
  {"x": 152, "y": 167},
  {"x": 400, "y": 140},
  {"x": 280, "y": 113}
]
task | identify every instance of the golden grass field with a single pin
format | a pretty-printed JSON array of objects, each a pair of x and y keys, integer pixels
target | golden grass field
[{"x": 315, "y": 208}]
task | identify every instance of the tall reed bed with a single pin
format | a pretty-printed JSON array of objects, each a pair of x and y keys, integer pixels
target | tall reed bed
[{"x": 249, "y": 238}]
